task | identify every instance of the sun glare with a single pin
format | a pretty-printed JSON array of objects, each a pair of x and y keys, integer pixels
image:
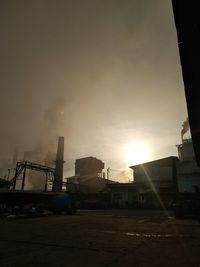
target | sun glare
[{"x": 136, "y": 153}]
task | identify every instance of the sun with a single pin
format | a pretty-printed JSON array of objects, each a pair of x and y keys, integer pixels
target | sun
[{"x": 136, "y": 153}]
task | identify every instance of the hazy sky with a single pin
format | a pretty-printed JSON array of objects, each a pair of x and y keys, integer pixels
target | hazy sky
[{"x": 103, "y": 73}]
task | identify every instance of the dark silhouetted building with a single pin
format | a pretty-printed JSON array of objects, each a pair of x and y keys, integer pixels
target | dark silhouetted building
[
  {"x": 89, "y": 176},
  {"x": 123, "y": 195},
  {"x": 4, "y": 184},
  {"x": 89, "y": 166},
  {"x": 155, "y": 182}
]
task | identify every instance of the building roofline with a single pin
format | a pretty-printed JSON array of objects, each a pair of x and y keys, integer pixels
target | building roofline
[
  {"x": 122, "y": 185},
  {"x": 89, "y": 157},
  {"x": 155, "y": 162}
]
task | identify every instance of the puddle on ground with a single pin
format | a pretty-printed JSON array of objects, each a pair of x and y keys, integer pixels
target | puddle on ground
[
  {"x": 104, "y": 215},
  {"x": 148, "y": 235}
]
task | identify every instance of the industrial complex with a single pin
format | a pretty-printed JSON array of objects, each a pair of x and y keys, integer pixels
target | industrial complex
[
  {"x": 15, "y": 199},
  {"x": 157, "y": 184}
]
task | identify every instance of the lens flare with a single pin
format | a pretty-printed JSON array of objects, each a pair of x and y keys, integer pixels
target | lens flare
[{"x": 136, "y": 153}]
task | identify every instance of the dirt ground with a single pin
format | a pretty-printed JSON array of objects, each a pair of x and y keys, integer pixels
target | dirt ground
[{"x": 101, "y": 238}]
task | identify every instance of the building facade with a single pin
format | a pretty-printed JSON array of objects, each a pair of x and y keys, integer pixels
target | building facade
[
  {"x": 155, "y": 182},
  {"x": 159, "y": 181},
  {"x": 187, "y": 168},
  {"x": 123, "y": 195},
  {"x": 89, "y": 176}
]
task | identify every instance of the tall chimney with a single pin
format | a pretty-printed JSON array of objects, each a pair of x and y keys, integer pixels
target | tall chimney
[{"x": 57, "y": 184}]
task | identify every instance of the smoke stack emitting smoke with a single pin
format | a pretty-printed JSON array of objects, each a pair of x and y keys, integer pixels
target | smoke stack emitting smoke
[
  {"x": 185, "y": 128},
  {"x": 45, "y": 151},
  {"x": 53, "y": 126}
]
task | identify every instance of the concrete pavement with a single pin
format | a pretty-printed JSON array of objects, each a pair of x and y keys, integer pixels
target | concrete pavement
[{"x": 101, "y": 238}]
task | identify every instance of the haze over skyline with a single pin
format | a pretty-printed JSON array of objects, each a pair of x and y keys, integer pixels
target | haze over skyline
[{"x": 104, "y": 74}]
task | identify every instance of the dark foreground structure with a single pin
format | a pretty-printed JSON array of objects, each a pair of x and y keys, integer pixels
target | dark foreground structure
[
  {"x": 17, "y": 202},
  {"x": 186, "y": 14}
]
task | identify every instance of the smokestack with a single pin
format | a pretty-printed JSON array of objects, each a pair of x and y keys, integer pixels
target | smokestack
[
  {"x": 185, "y": 128},
  {"x": 57, "y": 184}
]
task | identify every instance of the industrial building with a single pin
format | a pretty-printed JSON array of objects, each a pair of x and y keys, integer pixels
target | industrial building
[
  {"x": 161, "y": 182},
  {"x": 89, "y": 176},
  {"x": 152, "y": 185},
  {"x": 123, "y": 195},
  {"x": 158, "y": 177},
  {"x": 89, "y": 166},
  {"x": 4, "y": 184},
  {"x": 156, "y": 183}
]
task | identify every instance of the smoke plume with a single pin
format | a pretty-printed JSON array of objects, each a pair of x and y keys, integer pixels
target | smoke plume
[{"x": 185, "y": 128}]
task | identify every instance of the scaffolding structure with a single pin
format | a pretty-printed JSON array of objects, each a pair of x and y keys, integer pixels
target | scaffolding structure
[{"x": 21, "y": 168}]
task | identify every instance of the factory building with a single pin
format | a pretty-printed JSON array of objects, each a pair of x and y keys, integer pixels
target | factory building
[
  {"x": 123, "y": 195},
  {"x": 89, "y": 166},
  {"x": 156, "y": 183},
  {"x": 187, "y": 168},
  {"x": 155, "y": 180},
  {"x": 4, "y": 184},
  {"x": 152, "y": 185},
  {"x": 89, "y": 176}
]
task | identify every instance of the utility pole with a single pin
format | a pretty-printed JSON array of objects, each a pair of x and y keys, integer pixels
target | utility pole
[
  {"x": 175, "y": 179},
  {"x": 24, "y": 177},
  {"x": 108, "y": 174}
]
